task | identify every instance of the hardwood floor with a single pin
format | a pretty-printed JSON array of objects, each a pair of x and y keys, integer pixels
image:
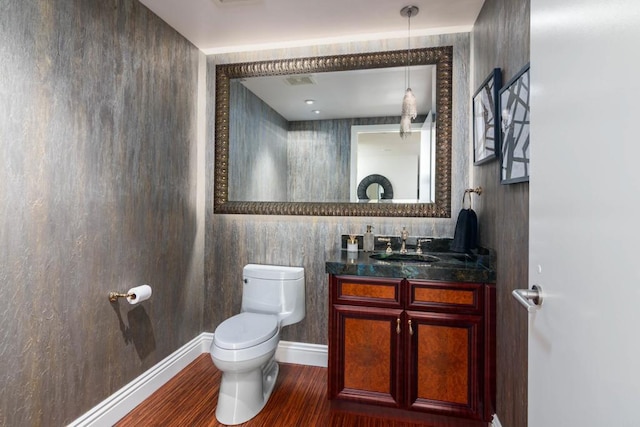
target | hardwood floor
[{"x": 299, "y": 400}]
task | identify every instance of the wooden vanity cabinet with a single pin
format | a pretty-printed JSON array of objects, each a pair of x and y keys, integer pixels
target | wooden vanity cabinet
[{"x": 413, "y": 344}]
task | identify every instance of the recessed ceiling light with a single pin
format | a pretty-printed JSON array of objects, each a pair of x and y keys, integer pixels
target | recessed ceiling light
[
  {"x": 309, "y": 101},
  {"x": 315, "y": 111}
]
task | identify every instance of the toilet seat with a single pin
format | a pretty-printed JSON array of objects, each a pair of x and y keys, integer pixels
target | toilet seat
[{"x": 245, "y": 330}]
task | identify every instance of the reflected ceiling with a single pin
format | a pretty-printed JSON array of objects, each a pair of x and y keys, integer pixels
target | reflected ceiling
[{"x": 344, "y": 94}]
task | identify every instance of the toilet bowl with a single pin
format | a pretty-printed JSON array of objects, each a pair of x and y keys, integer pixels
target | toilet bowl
[{"x": 244, "y": 345}]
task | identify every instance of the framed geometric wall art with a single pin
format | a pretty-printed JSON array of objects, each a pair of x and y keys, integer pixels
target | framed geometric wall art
[
  {"x": 514, "y": 128},
  {"x": 486, "y": 134}
]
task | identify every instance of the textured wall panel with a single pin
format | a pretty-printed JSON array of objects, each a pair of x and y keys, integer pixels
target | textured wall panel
[
  {"x": 259, "y": 136},
  {"x": 235, "y": 240},
  {"x": 97, "y": 193},
  {"x": 501, "y": 39}
]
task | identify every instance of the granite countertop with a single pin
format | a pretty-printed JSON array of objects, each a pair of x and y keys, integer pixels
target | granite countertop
[{"x": 478, "y": 267}]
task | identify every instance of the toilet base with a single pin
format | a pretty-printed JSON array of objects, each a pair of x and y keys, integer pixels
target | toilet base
[{"x": 244, "y": 394}]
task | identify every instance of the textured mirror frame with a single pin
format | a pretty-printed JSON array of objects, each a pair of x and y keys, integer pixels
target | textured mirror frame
[{"x": 442, "y": 57}]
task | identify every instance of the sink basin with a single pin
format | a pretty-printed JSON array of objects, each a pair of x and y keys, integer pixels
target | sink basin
[{"x": 404, "y": 257}]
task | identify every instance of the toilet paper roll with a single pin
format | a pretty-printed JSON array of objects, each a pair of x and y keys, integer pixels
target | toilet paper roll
[{"x": 139, "y": 294}]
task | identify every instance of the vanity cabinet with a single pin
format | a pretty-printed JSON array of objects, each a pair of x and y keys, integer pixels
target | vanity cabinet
[{"x": 413, "y": 345}]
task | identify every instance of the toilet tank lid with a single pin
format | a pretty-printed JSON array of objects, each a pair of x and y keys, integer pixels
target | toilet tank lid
[{"x": 273, "y": 272}]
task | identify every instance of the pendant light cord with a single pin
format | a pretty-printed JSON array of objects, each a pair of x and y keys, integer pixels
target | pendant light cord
[
  {"x": 408, "y": 74},
  {"x": 408, "y": 12},
  {"x": 409, "y": 108}
]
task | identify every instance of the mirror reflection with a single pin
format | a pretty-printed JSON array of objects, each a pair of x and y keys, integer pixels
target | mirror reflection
[
  {"x": 406, "y": 167},
  {"x": 292, "y": 136}
]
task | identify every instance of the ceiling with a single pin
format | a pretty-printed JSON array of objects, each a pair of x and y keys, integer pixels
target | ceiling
[
  {"x": 223, "y": 26},
  {"x": 220, "y": 26}
]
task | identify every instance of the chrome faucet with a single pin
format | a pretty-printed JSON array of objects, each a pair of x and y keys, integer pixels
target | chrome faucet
[{"x": 404, "y": 235}]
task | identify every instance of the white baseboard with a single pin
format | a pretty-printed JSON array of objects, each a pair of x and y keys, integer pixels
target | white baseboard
[
  {"x": 302, "y": 353},
  {"x": 495, "y": 422},
  {"x": 119, "y": 404}
]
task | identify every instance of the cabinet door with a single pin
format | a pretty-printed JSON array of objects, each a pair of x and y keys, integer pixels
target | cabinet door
[
  {"x": 443, "y": 363},
  {"x": 365, "y": 364}
]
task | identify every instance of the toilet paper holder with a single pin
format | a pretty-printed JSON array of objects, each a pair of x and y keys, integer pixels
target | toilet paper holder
[
  {"x": 113, "y": 296},
  {"x": 133, "y": 295}
]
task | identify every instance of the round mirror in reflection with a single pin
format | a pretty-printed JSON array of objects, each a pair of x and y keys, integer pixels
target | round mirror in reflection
[{"x": 375, "y": 187}]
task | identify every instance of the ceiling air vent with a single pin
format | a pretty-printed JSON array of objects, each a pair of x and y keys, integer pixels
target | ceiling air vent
[{"x": 300, "y": 80}]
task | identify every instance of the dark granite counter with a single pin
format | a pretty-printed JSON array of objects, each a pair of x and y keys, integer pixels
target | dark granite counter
[{"x": 477, "y": 267}]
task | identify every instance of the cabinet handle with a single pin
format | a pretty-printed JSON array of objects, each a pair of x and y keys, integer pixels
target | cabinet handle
[
  {"x": 398, "y": 326},
  {"x": 410, "y": 328}
]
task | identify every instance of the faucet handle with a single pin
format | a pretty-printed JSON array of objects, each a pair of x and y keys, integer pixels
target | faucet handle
[{"x": 419, "y": 248}]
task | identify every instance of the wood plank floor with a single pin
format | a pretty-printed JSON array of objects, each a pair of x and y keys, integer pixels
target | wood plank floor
[{"x": 299, "y": 399}]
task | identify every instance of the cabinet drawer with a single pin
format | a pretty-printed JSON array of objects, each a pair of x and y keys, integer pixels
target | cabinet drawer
[
  {"x": 450, "y": 297},
  {"x": 366, "y": 291}
]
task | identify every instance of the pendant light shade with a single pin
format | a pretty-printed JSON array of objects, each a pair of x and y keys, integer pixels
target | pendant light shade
[
  {"x": 409, "y": 113},
  {"x": 409, "y": 108}
]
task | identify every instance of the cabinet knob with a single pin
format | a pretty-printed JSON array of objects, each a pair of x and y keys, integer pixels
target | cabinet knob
[
  {"x": 398, "y": 326},
  {"x": 410, "y": 328}
]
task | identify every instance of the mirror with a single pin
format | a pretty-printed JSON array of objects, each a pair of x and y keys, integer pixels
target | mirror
[{"x": 226, "y": 171}]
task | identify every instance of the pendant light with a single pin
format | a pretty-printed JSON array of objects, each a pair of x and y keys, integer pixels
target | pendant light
[{"x": 409, "y": 108}]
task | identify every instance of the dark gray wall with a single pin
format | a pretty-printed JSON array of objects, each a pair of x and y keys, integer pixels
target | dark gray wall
[
  {"x": 501, "y": 39},
  {"x": 97, "y": 193}
]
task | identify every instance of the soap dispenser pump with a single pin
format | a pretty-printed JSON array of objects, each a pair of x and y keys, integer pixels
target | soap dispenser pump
[{"x": 367, "y": 242}]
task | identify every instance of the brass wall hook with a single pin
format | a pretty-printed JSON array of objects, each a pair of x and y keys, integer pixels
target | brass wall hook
[
  {"x": 477, "y": 190},
  {"x": 468, "y": 191}
]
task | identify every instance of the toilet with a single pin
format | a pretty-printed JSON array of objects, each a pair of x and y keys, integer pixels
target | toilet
[{"x": 244, "y": 345}]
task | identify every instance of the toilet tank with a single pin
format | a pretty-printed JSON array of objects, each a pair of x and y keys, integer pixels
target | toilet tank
[{"x": 276, "y": 290}]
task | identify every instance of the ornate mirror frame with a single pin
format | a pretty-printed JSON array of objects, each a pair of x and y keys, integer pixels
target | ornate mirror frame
[{"x": 442, "y": 57}]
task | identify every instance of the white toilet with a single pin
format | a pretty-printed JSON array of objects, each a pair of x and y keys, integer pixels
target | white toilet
[{"x": 244, "y": 345}]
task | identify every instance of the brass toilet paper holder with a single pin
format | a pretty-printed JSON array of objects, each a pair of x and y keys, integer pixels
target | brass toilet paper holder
[
  {"x": 134, "y": 295},
  {"x": 113, "y": 296}
]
